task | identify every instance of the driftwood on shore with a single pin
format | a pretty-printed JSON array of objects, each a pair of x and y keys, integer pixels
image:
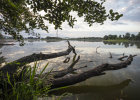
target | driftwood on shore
[{"x": 63, "y": 77}]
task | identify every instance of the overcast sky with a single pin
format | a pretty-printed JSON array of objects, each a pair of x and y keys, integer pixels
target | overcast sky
[{"x": 130, "y": 22}]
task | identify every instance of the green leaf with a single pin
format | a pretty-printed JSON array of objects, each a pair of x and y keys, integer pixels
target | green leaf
[{"x": 43, "y": 69}]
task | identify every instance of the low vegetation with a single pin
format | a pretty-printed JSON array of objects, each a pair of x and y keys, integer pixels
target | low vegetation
[{"x": 23, "y": 85}]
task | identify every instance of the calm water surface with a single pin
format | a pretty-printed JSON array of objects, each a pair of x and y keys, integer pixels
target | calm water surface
[{"x": 123, "y": 84}]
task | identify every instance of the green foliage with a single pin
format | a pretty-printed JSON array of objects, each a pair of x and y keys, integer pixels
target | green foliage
[
  {"x": 138, "y": 36},
  {"x": 53, "y": 38},
  {"x": 19, "y": 15},
  {"x": 126, "y": 37},
  {"x": 23, "y": 86},
  {"x": 110, "y": 37}
]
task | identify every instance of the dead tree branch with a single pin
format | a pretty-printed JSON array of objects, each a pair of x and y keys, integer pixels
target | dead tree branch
[
  {"x": 66, "y": 60},
  {"x": 110, "y": 55},
  {"x": 97, "y": 49},
  {"x": 13, "y": 66},
  {"x": 121, "y": 58},
  {"x": 64, "y": 72},
  {"x": 99, "y": 70}
]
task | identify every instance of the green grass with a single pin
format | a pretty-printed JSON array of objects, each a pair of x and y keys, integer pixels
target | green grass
[{"x": 23, "y": 85}]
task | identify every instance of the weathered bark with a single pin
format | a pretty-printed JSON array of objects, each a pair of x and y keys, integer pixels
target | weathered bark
[
  {"x": 121, "y": 58},
  {"x": 64, "y": 72},
  {"x": 99, "y": 70},
  {"x": 13, "y": 66},
  {"x": 61, "y": 73}
]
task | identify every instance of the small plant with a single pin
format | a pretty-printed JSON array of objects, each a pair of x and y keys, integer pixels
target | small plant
[{"x": 23, "y": 85}]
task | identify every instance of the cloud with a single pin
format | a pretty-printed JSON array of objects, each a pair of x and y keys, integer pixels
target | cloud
[
  {"x": 119, "y": 23},
  {"x": 130, "y": 22},
  {"x": 129, "y": 8}
]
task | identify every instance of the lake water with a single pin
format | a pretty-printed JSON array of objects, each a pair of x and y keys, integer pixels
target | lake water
[{"x": 123, "y": 84}]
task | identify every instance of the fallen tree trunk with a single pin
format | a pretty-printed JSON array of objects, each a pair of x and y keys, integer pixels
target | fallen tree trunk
[
  {"x": 61, "y": 78},
  {"x": 13, "y": 66},
  {"x": 99, "y": 70},
  {"x": 61, "y": 73}
]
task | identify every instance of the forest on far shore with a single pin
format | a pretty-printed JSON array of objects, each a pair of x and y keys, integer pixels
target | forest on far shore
[{"x": 127, "y": 36}]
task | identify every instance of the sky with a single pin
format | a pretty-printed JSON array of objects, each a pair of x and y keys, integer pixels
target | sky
[{"x": 130, "y": 22}]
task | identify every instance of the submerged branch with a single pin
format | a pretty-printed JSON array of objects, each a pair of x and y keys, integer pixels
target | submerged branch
[
  {"x": 66, "y": 60},
  {"x": 97, "y": 49},
  {"x": 61, "y": 73},
  {"x": 97, "y": 71},
  {"x": 121, "y": 58},
  {"x": 110, "y": 55}
]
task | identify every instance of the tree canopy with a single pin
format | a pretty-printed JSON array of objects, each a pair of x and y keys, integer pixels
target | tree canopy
[
  {"x": 19, "y": 15},
  {"x": 127, "y": 36}
]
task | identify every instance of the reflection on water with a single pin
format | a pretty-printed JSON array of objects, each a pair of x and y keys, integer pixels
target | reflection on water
[
  {"x": 104, "y": 87},
  {"x": 125, "y": 44},
  {"x": 105, "y": 91}
]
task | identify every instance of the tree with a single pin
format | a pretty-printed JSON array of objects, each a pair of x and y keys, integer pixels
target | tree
[
  {"x": 133, "y": 37},
  {"x": 120, "y": 37},
  {"x": 127, "y": 36},
  {"x": 114, "y": 36},
  {"x": 138, "y": 36},
  {"x": 105, "y": 37},
  {"x": 24, "y": 15}
]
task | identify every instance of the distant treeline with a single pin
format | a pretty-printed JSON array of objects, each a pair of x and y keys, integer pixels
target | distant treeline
[
  {"x": 86, "y": 38},
  {"x": 59, "y": 38},
  {"x": 127, "y": 36}
]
